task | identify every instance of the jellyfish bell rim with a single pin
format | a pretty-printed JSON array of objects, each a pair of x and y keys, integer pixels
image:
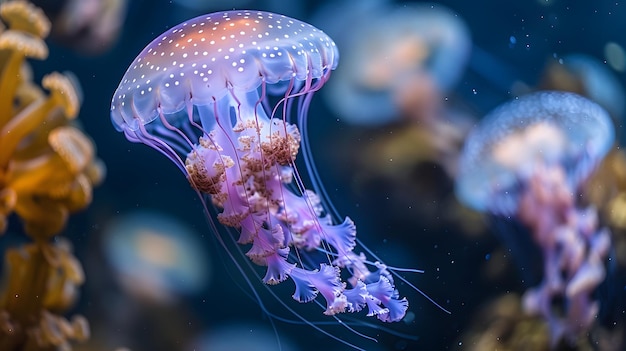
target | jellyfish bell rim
[
  {"x": 301, "y": 53},
  {"x": 481, "y": 182}
]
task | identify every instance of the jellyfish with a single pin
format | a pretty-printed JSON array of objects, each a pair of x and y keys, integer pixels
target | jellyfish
[
  {"x": 155, "y": 257},
  {"x": 528, "y": 160},
  {"x": 217, "y": 95},
  {"x": 401, "y": 60},
  {"x": 90, "y": 27}
]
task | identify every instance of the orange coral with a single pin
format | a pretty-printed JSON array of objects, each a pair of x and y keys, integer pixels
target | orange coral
[
  {"x": 42, "y": 278},
  {"x": 48, "y": 168}
]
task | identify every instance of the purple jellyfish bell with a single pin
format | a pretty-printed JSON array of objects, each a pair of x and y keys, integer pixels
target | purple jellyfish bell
[{"x": 199, "y": 94}]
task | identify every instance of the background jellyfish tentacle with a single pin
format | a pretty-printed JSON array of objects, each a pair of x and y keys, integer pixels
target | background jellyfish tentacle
[
  {"x": 529, "y": 159},
  {"x": 202, "y": 94}
]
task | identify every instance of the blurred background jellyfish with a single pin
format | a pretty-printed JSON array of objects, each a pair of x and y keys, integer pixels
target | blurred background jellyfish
[
  {"x": 400, "y": 61},
  {"x": 155, "y": 257},
  {"x": 528, "y": 159},
  {"x": 88, "y": 26},
  {"x": 215, "y": 94}
]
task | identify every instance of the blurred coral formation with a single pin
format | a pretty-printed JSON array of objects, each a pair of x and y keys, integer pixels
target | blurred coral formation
[
  {"x": 607, "y": 191},
  {"x": 503, "y": 325},
  {"x": 47, "y": 170}
]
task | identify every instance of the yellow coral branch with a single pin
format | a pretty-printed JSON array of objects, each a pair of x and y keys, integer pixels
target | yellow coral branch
[
  {"x": 62, "y": 96},
  {"x": 47, "y": 170},
  {"x": 23, "y": 16},
  {"x": 14, "y": 48},
  {"x": 43, "y": 217}
]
